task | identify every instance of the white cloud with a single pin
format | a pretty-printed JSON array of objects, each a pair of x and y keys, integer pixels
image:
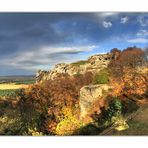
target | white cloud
[
  {"x": 107, "y": 24},
  {"x": 124, "y": 20},
  {"x": 143, "y": 21},
  {"x": 138, "y": 40},
  {"x": 142, "y": 33},
  {"x": 45, "y": 57}
]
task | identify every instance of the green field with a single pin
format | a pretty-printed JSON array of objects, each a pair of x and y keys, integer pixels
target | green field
[
  {"x": 25, "y": 82},
  {"x": 9, "y": 92}
]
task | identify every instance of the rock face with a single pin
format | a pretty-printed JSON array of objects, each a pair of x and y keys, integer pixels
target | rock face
[
  {"x": 89, "y": 95},
  {"x": 100, "y": 59},
  {"x": 41, "y": 75},
  {"x": 94, "y": 64}
]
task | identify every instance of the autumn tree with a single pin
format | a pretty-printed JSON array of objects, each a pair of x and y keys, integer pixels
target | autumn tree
[
  {"x": 132, "y": 57},
  {"x": 48, "y": 99}
]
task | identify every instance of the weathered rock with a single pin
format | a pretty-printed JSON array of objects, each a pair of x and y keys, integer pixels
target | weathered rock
[
  {"x": 41, "y": 75},
  {"x": 94, "y": 64},
  {"x": 89, "y": 95},
  {"x": 100, "y": 59}
]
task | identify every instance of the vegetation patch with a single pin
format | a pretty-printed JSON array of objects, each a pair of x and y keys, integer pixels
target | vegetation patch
[
  {"x": 110, "y": 114},
  {"x": 25, "y": 82},
  {"x": 79, "y": 63},
  {"x": 101, "y": 77},
  {"x": 9, "y": 92}
]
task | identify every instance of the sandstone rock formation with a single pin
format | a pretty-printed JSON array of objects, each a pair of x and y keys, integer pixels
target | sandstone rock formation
[
  {"x": 94, "y": 64},
  {"x": 89, "y": 95},
  {"x": 100, "y": 59}
]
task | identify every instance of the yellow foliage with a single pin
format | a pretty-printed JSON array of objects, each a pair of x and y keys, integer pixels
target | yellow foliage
[
  {"x": 130, "y": 83},
  {"x": 120, "y": 124},
  {"x": 34, "y": 132},
  {"x": 68, "y": 124}
]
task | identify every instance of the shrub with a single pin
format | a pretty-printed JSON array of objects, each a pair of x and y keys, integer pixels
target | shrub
[
  {"x": 115, "y": 107},
  {"x": 109, "y": 115},
  {"x": 68, "y": 123},
  {"x": 130, "y": 57},
  {"x": 42, "y": 104}
]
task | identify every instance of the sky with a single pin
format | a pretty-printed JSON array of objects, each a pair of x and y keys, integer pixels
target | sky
[{"x": 33, "y": 41}]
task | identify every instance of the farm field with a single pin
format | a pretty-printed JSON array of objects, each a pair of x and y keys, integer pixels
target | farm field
[
  {"x": 12, "y": 86},
  {"x": 10, "y": 90}
]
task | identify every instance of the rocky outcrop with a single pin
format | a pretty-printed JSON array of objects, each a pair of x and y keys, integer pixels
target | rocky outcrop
[
  {"x": 41, "y": 75},
  {"x": 93, "y": 64},
  {"x": 100, "y": 59},
  {"x": 89, "y": 95}
]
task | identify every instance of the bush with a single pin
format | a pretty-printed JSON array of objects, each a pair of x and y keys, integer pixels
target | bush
[
  {"x": 109, "y": 115},
  {"x": 130, "y": 57},
  {"x": 115, "y": 108},
  {"x": 68, "y": 123},
  {"x": 102, "y": 77},
  {"x": 42, "y": 104}
]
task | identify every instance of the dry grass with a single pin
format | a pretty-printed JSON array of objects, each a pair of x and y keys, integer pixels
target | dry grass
[{"x": 12, "y": 86}]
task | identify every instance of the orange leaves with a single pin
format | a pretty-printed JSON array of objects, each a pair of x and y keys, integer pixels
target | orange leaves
[
  {"x": 125, "y": 77},
  {"x": 49, "y": 98},
  {"x": 128, "y": 58},
  {"x": 131, "y": 83},
  {"x": 117, "y": 87}
]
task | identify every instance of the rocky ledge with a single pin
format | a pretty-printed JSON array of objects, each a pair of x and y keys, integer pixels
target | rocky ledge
[{"x": 93, "y": 64}]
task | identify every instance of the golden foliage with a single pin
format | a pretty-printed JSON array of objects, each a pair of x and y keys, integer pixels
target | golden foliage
[
  {"x": 68, "y": 123},
  {"x": 55, "y": 101}
]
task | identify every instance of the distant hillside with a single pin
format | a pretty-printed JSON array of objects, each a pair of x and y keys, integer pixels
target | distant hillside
[{"x": 14, "y": 78}]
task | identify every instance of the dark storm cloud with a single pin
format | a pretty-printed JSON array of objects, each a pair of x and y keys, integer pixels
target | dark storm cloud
[{"x": 28, "y": 31}]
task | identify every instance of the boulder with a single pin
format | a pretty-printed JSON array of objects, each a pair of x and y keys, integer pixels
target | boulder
[{"x": 89, "y": 95}]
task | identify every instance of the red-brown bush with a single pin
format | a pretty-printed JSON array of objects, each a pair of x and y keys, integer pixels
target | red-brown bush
[
  {"x": 48, "y": 99},
  {"x": 130, "y": 57}
]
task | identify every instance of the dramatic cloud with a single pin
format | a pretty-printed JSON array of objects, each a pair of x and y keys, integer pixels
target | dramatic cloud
[
  {"x": 33, "y": 60},
  {"x": 124, "y": 20},
  {"x": 32, "y": 41},
  {"x": 107, "y": 24}
]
